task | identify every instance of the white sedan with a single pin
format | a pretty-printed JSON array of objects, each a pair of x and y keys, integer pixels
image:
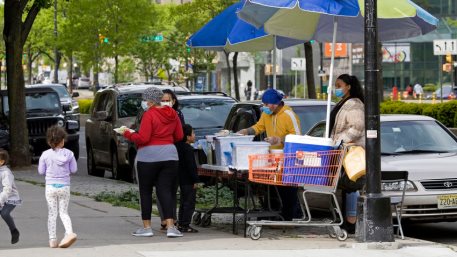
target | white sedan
[{"x": 428, "y": 151}]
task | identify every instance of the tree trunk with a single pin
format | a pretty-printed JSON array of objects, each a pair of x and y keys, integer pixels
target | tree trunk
[
  {"x": 235, "y": 76},
  {"x": 116, "y": 69},
  {"x": 1, "y": 66},
  {"x": 70, "y": 73},
  {"x": 229, "y": 72},
  {"x": 57, "y": 55},
  {"x": 29, "y": 65},
  {"x": 310, "y": 70},
  {"x": 15, "y": 33}
]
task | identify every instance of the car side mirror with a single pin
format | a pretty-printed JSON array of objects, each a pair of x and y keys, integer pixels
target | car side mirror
[
  {"x": 101, "y": 115},
  {"x": 75, "y": 94},
  {"x": 66, "y": 107}
]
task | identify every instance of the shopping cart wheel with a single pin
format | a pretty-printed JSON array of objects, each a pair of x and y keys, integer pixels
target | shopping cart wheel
[
  {"x": 197, "y": 218},
  {"x": 331, "y": 232},
  {"x": 343, "y": 236},
  {"x": 255, "y": 232},
  {"x": 206, "y": 220}
]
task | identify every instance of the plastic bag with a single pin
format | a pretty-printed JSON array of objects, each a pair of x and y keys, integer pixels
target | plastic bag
[{"x": 354, "y": 163}]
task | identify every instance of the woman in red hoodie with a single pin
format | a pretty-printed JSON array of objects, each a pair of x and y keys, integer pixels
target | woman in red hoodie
[{"x": 157, "y": 159}]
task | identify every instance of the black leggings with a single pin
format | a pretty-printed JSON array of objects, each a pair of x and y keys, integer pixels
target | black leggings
[
  {"x": 162, "y": 175},
  {"x": 5, "y": 212}
]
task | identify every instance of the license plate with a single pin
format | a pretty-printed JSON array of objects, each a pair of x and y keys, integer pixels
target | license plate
[{"x": 447, "y": 201}]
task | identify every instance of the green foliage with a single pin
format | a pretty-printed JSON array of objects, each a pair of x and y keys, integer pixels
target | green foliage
[
  {"x": 206, "y": 197},
  {"x": 84, "y": 105},
  {"x": 126, "y": 70},
  {"x": 429, "y": 88},
  {"x": 446, "y": 113},
  {"x": 129, "y": 199}
]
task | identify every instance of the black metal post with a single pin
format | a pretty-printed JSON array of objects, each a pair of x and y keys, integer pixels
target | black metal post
[{"x": 374, "y": 216}]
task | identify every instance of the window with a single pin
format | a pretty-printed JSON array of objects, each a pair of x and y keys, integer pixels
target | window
[
  {"x": 128, "y": 105},
  {"x": 206, "y": 112}
]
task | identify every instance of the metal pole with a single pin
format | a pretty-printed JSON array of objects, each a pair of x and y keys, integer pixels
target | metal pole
[
  {"x": 295, "y": 94},
  {"x": 440, "y": 71},
  {"x": 374, "y": 215},
  {"x": 274, "y": 61},
  {"x": 330, "y": 81}
]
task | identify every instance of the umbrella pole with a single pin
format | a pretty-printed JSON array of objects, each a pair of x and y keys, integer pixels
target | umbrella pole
[
  {"x": 330, "y": 81},
  {"x": 274, "y": 61}
]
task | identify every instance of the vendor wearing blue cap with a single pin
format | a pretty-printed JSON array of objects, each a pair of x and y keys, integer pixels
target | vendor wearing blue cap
[{"x": 277, "y": 120}]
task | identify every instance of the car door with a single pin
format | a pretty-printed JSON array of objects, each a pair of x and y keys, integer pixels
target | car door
[
  {"x": 97, "y": 139},
  {"x": 106, "y": 128},
  {"x": 243, "y": 116}
]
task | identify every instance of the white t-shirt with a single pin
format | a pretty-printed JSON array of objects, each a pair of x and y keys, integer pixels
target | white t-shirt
[{"x": 418, "y": 89}]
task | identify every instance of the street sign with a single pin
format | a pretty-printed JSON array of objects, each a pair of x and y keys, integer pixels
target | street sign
[
  {"x": 152, "y": 38},
  {"x": 444, "y": 46},
  {"x": 298, "y": 64}
]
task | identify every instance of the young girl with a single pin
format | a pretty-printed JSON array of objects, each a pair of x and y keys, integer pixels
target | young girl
[
  {"x": 9, "y": 197},
  {"x": 57, "y": 163}
]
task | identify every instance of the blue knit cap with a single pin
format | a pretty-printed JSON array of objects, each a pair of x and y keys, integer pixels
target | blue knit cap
[{"x": 271, "y": 96}]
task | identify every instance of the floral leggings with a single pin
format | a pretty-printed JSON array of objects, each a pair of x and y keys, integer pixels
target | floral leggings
[{"x": 58, "y": 198}]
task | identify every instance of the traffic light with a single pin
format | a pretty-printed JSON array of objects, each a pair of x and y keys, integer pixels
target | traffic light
[
  {"x": 448, "y": 58},
  {"x": 188, "y": 49}
]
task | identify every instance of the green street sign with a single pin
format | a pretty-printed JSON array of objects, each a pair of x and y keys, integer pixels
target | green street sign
[{"x": 152, "y": 38}]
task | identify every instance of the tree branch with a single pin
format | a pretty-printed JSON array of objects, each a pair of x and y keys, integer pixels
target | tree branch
[
  {"x": 27, "y": 25},
  {"x": 23, "y": 4}
]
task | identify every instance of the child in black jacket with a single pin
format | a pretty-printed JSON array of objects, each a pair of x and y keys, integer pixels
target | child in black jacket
[{"x": 188, "y": 179}]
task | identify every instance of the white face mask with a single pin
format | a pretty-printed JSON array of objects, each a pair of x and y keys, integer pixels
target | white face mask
[
  {"x": 166, "y": 104},
  {"x": 144, "y": 105}
]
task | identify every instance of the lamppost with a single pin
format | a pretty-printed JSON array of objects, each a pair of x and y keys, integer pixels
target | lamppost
[{"x": 374, "y": 215}]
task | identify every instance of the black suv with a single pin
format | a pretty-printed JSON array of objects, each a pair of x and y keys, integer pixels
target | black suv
[
  {"x": 112, "y": 108},
  {"x": 245, "y": 114},
  {"x": 43, "y": 111}
]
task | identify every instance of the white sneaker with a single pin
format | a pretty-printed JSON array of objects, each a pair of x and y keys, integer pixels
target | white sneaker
[
  {"x": 146, "y": 232},
  {"x": 174, "y": 232}
]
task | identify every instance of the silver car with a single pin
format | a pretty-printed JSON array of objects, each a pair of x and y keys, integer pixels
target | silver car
[{"x": 428, "y": 151}]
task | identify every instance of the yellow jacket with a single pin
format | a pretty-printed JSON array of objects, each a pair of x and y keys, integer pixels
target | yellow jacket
[{"x": 283, "y": 123}]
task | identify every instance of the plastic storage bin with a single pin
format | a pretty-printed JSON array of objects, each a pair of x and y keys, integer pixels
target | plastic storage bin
[
  {"x": 303, "y": 162},
  {"x": 223, "y": 147},
  {"x": 241, "y": 151}
]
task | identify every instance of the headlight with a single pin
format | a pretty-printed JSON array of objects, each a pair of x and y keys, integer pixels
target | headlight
[
  {"x": 397, "y": 186},
  {"x": 60, "y": 123}
]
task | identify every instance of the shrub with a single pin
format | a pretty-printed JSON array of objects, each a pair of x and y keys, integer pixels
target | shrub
[
  {"x": 429, "y": 88},
  {"x": 447, "y": 112},
  {"x": 84, "y": 105}
]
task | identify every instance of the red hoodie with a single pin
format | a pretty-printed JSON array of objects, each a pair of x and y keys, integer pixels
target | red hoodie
[{"x": 159, "y": 126}]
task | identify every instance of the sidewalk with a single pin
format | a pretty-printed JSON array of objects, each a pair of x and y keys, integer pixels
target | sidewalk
[{"x": 104, "y": 230}]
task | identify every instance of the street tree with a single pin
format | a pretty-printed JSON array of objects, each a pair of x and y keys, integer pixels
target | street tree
[
  {"x": 19, "y": 16},
  {"x": 2, "y": 44}
]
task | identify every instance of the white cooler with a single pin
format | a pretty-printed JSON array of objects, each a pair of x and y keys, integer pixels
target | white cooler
[
  {"x": 242, "y": 150},
  {"x": 223, "y": 148}
]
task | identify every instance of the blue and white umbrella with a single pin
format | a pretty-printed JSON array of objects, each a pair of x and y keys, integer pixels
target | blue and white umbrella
[
  {"x": 226, "y": 32},
  {"x": 336, "y": 21}
]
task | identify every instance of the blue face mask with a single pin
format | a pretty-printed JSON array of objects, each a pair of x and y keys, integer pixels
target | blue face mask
[
  {"x": 339, "y": 92},
  {"x": 144, "y": 105},
  {"x": 266, "y": 110}
]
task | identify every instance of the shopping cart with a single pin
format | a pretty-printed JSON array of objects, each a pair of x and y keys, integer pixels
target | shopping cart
[{"x": 315, "y": 172}]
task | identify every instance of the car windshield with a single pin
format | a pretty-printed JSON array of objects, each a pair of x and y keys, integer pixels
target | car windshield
[
  {"x": 309, "y": 115},
  {"x": 62, "y": 91},
  {"x": 128, "y": 105},
  {"x": 206, "y": 112},
  {"x": 415, "y": 137},
  {"x": 39, "y": 102}
]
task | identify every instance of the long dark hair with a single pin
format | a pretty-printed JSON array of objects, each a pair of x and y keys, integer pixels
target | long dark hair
[
  {"x": 173, "y": 96},
  {"x": 356, "y": 90}
]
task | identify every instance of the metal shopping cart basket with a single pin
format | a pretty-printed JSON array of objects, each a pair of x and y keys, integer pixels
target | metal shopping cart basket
[{"x": 315, "y": 172}]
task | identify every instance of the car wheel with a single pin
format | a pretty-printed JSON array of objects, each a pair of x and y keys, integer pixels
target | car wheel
[
  {"x": 91, "y": 168},
  {"x": 74, "y": 147},
  {"x": 114, "y": 165}
]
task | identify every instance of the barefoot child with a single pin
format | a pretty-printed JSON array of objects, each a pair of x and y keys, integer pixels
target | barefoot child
[
  {"x": 9, "y": 197},
  {"x": 57, "y": 164}
]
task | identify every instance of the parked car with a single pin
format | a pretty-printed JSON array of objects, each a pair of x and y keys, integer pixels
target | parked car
[
  {"x": 83, "y": 83},
  {"x": 114, "y": 107},
  {"x": 428, "y": 151},
  {"x": 206, "y": 113},
  {"x": 43, "y": 109},
  {"x": 65, "y": 100},
  {"x": 245, "y": 114},
  {"x": 449, "y": 92}
]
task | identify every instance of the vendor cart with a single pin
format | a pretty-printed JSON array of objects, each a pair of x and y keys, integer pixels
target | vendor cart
[{"x": 316, "y": 172}]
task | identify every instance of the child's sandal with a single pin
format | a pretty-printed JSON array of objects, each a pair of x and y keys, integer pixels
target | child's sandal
[{"x": 188, "y": 229}]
